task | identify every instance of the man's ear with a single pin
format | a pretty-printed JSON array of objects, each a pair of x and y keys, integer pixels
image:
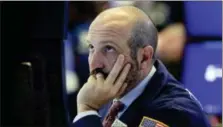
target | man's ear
[{"x": 147, "y": 54}]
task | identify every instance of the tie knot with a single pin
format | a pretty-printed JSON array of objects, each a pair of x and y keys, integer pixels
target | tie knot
[{"x": 117, "y": 106}]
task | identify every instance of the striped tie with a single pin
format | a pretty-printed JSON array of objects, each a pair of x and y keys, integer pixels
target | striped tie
[{"x": 116, "y": 107}]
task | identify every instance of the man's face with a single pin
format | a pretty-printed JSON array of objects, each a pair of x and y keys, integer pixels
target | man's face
[{"x": 106, "y": 42}]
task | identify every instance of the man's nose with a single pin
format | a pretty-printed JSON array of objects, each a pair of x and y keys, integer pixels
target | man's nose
[{"x": 96, "y": 60}]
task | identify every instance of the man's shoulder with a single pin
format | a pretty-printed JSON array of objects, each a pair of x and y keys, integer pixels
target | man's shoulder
[
  {"x": 175, "y": 104},
  {"x": 174, "y": 95}
]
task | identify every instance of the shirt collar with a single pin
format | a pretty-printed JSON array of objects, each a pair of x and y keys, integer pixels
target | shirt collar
[{"x": 135, "y": 92}]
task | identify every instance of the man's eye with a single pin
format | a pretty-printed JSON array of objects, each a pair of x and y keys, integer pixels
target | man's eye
[{"x": 109, "y": 49}]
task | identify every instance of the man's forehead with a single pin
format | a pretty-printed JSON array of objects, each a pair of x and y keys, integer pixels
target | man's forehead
[
  {"x": 113, "y": 30},
  {"x": 102, "y": 42},
  {"x": 118, "y": 26}
]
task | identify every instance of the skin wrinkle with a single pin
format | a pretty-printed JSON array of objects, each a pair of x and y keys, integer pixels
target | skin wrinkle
[{"x": 106, "y": 33}]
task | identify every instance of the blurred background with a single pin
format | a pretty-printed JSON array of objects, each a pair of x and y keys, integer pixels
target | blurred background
[{"x": 44, "y": 55}]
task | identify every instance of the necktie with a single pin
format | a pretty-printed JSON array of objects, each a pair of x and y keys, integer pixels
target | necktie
[{"x": 116, "y": 107}]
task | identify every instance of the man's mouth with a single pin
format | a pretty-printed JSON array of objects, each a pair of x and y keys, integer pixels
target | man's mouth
[{"x": 99, "y": 70}]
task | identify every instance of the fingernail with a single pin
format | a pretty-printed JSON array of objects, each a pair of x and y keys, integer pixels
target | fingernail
[{"x": 98, "y": 75}]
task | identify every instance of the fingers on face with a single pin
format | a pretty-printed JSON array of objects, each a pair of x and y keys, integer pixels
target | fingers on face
[
  {"x": 91, "y": 78},
  {"x": 115, "y": 70},
  {"x": 117, "y": 77},
  {"x": 121, "y": 79},
  {"x": 122, "y": 90},
  {"x": 100, "y": 79}
]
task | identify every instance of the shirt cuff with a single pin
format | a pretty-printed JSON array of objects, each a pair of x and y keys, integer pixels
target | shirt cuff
[{"x": 83, "y": 114}]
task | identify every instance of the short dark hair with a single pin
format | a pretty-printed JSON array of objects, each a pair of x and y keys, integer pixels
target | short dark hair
[{"x": 143, "y": 34}]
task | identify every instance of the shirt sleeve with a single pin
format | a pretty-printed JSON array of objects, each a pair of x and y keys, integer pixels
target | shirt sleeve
[{"x": 83, "y": 114}]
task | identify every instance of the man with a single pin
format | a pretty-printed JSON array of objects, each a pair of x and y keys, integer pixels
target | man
[{"x": 127, "y": 85}]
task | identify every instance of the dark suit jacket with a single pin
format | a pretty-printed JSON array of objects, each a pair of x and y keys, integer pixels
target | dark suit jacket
[{"x": 164, "y": 99}]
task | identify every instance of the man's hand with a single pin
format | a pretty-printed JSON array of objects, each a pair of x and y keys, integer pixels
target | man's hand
[{"x": 98, "y": 91}]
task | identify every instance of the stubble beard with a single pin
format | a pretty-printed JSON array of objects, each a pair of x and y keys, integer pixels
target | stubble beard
[{"x": 132, "y": 79}]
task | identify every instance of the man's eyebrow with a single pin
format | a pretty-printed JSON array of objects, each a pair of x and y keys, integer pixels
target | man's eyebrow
[{"x": 106, "y": 42}]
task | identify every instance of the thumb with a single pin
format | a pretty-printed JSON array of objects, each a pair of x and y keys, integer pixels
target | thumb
[{"x": 91, "y": 79}]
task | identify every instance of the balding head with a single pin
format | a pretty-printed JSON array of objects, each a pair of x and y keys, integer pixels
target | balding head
[
  {"x": 122, "y": 30},
  {"x": 141, "y": 30},
  {"x": 129, "y": 14}
]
